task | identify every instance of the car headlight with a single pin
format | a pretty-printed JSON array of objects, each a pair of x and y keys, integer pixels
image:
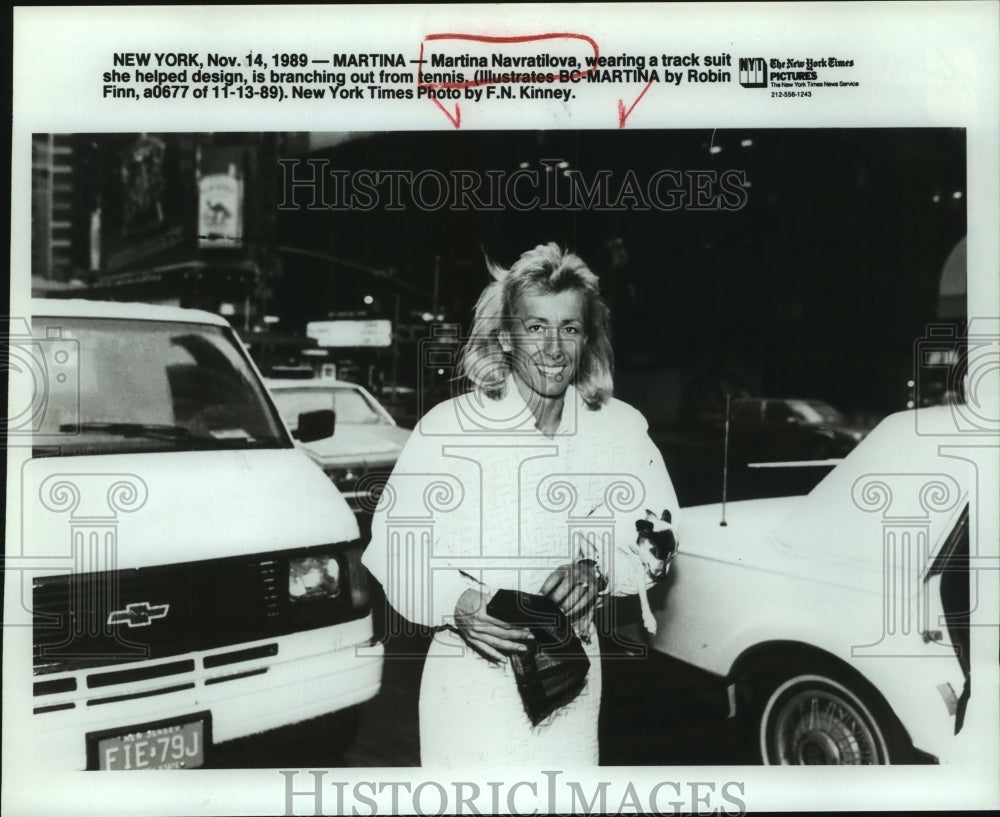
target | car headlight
[
  {"x": 312, "y": 577},
  {"x": 344, "y": 478}
]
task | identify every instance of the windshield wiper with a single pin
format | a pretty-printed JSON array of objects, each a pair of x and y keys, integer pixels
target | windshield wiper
[{"x": 153, "y": 430}]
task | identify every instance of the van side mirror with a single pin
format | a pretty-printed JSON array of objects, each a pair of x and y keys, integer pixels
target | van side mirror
[{"x": 315, "y": 425}]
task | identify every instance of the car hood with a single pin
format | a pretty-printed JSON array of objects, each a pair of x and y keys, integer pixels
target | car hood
[
  {"x": 356, "y": 443},
  {"x": 748, "y": 524},
  {"x": 748, "y": 540},
  {"x": 156, "y": 508},
  {"x": 899, "y": 481}
]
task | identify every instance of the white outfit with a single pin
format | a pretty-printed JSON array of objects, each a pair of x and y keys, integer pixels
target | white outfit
[{"x": 480, "y": 498}]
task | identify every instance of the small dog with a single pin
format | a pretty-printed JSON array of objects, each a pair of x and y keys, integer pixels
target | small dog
[
  {"x": 657, "y": 543},
  {"x": 657, "y": 546}
]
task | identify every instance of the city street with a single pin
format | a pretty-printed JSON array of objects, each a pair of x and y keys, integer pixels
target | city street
[{"x": 259, "y": 365}]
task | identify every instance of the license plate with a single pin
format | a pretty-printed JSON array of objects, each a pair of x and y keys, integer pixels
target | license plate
[{"x": 164, "y": 745}]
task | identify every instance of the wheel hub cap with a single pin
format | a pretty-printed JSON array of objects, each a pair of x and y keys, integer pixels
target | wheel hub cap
[{"x": 817, "y": 727}]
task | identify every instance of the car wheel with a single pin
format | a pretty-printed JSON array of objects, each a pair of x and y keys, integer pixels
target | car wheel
[{"x": 817, "y": 719}]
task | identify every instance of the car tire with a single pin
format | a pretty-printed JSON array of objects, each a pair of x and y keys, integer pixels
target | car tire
[{"x": 822, "y": 718}]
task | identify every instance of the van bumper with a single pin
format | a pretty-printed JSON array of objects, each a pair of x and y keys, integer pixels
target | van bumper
[{"x": 313, "y": 673}]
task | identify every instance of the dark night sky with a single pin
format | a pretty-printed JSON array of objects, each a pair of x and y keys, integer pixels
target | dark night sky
[{"x": 818, "y": 286}]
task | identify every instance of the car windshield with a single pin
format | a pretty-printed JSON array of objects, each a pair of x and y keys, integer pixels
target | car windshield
[
  {"x": 352, "y": 407},
  {"x": 816, "y": 411},
  {"x": 125, "y": 386}
]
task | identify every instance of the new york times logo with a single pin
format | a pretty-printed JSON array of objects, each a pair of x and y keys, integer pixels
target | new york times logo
[{"x": 753, "y": 72}]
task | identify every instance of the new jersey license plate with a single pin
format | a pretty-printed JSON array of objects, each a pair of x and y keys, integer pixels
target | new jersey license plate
[{"x": 178, "y": 745}]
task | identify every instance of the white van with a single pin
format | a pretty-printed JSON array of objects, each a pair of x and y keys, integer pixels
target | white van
[{"x": 198, "y": 578}]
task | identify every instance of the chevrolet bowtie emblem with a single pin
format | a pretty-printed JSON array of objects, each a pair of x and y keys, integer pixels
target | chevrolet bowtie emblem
[{"x": 139, "y": 614}]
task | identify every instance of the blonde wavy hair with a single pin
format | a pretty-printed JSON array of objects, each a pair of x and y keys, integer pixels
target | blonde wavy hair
[{"x": 546, "y": 269}]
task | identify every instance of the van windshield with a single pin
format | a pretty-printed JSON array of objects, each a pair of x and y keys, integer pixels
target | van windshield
[{"x": 124, "y": 386}]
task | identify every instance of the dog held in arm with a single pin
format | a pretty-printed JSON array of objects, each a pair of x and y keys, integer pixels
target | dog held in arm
[{"x": 655, "y": 547}]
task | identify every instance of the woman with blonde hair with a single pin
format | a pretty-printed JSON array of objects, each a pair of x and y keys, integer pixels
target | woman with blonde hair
[{"x": 532, "y": 483}]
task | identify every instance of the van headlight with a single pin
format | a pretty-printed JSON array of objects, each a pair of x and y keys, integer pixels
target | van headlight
[{"x": 311, "y": 577}]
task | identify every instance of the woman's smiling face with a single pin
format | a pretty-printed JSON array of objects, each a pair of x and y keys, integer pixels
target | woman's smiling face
[{"x": 545, "y": 341}]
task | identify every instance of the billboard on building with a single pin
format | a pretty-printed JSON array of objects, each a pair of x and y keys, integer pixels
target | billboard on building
[{"x": 376, "y": 333}]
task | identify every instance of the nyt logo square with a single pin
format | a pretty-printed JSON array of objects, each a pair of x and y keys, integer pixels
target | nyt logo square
[{"x": 753, "y": 72}]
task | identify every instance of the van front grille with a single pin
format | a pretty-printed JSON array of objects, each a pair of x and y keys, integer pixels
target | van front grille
[{"x": 144, "y": 614}]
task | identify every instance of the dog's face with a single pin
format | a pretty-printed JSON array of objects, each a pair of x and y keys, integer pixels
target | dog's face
[
  {"x": 656, "y": 543},
  {"x": 656, "y": 558}
]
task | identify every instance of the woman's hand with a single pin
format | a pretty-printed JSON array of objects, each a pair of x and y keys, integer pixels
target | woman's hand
[
  {"x": 490, "y": 637},
  {"x": 574, "y": 587}
]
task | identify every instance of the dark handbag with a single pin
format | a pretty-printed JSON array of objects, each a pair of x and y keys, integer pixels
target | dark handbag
[{"x": 554, "y": 670}]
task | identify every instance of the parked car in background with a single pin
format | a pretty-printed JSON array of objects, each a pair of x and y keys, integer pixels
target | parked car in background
[
  {"x": 775, "y": 447},
  {"x": 202, "y": 580},
  {"x": 774, "y": 429},
  {"x": 366, "y": 441},
  {"x": 837, "y": 623}
]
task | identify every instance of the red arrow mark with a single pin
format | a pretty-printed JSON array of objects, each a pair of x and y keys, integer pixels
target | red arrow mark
[
  {"x": 622, "y": 113},
  {"x": 456, "y": 120}
]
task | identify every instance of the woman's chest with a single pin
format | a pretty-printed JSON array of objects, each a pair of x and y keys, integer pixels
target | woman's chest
[{"x": 528, "y": 495}]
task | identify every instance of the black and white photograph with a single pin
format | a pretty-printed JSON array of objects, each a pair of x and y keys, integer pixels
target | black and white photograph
[
  {"x": 734, "y": 318},
  {"x": 624, "y": 462}
]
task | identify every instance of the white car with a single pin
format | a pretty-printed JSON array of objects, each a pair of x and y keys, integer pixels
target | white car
[
  {"x": 366, "y": 441},
  {"x": 190, "y": 576},
  {"x": 837, "y": 622}
]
